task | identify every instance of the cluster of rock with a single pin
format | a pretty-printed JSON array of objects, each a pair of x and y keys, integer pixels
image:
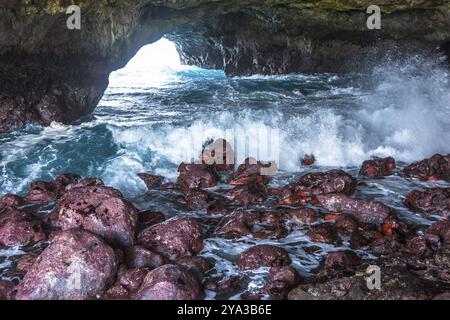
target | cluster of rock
[{"x": 101, "y": 247}]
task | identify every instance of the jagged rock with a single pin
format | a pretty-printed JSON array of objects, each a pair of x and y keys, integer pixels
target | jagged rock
[
  {"x": 434, "y": 201},
  {"x": 41, "y": 191},
  {"x": 435, "y": 168},
  {"x": 151, "y": 181},
  {"x": 378, "y": 167},
  {"x": 247, "y": 194},
  {"x": 78, "y": 265},
  {"x": 18, "y": 228},
  {"x": 62, "y": 181},
  {"x": 196, "y": 176},
  {"x": 138, "y": 257},
  {"x": 253, "y": 172},
  {"x": 11, "y": 201}
]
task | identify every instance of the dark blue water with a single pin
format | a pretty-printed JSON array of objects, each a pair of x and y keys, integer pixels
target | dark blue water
[{"x": 152, "y": 116}]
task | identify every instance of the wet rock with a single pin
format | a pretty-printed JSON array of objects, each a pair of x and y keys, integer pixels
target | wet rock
[
  {"x": 324, "y": 233},
  {"x": 101, "y": 210},
  {"x": 62, "y": 181},
  {"x": 7, "y": 290},
  {"x": 442, "y": 230},
  {"x": 245, "y": 195},
  {"x": 117, "y": 292},
  {"x": 308, "y": 160},
  {"x": 435, "y": 201},
  {"x": 132, "y": 279},
  {"x": 364, "y": 211},
  {"x": 418, "y": 246},
  {"x": 149, "y": 218},
  {"x": 280, "y": 281},
  {"x": 197, "y": 200},
  {"x": 170, "y": 282},
  {"x": 263, "y": 256},
  {"x": 314, "y": 184},
  {"x": 378, "y": 167},
  {"x": 175, "y": 238},
  {"x": 41, "y": 191},
  {"x": 299, "y": 294},
  {"x": 253, "y": 171},
  {"x": 138, "y": 257},
  {"x": 78, "y": 265},
  {"x": 338, "y": 263},
  {"x": 219, "y": 154},
  {"x": 300, "y": 216},
  {"x": 225, "y": 285},
  {"x": 197, "y": 265},
  {"x": 86, "y": 182},
  {"x": 435, "y": 168},
  {"x": 18, "y": 228},
  {"x": 251, "y": 223},
  {"x": 11, "y": 201},
  {"x": 151, "y": 181},
  {"x": 196, "y": 176},
  {"x": 26, "y": 262}
]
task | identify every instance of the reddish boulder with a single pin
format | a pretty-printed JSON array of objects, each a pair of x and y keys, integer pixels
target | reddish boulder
[
  {"x": 340, "y": 262},
  {"x": 435, "y": 168},
  {"x": 41, "y": 191},
  {"x": 253, "y": 171},
  {"x": 300, "y": 216},
  {"x": 138, "y": 257},
  {"x": 250, "y": 223},
  {"x": 320, "y": 183},
  {"x": 196, "y": 176},
  {"x": 263, "y": 256},
  {"x": 280, "y": 281},
  {"x": 308, "y": 160},
  {"x": 324, "y": 233},
  {"x": 198, "y": 265},
  {"x": 175, "y": 238},
  {"x": 132, "y": 279},
  {"x": 419, "y": 246},
  {"x": 247, "y": 194},
  {"x": 378, "y": 167},
  {"x": 11, "y": 201},
  {"x": 149, "y": 218},
  {"x": 197, "y": 200},
  {"x": 151, "y": 181},
  {"x": 7, "y": 290},
  {"x": 18, "y": 228},
  {"x": 442, "y": 230},
  {"x": 76, "y": 266},
  {"x": 434, "y": 201},
  {"x": 170, "y": 282},
  {"x": 364, "y": 211},
  {"x": 219, "y": 154},
  {"x": 61, "y": 182},
  {"x": 26, "y": 262},
  {"x": 101, "y": 210},
  {"x": 86, "y": 182}
]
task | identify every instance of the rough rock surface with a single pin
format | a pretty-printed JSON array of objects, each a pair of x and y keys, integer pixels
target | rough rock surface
[
  {"x": 240, "y": 37},
  {"x": 263, "y": 256},
  {"x": 378, "y": 167},
  {"x": 170, "y": 282},
  {"x": 18, "y": 228},
  {"x": 435, "y": 168},
  {"x": 435, "y": 201},
  {"x": 77, "y": 265},
  {"x": 101, "y": 210},
  {"x": 174, "y": 238}
]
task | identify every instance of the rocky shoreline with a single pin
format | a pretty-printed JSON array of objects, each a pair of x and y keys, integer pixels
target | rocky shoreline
[{"x": 84, "y": 240}]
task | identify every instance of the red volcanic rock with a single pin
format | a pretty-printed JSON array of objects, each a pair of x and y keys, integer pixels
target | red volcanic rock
[
  {"x": 86, "y": 182},
  {"x": 149, "y": 218},
  {"x": 76, "y": 266},
  {"x": 196, "y": 176},
  {"x": 170, "y": 282},
  {"x": 253, "y": 171},
  {"x": 18, "y": 228},
  {"x": 175, "y": 238},
  {"x": 61, "y": 182},
  {"x": 418, "y": 246},
  {"x": 197, "y": 265},
  {"x": 41, "y": 191},
  {"x": 256, "y": 224},
  {"x": 101, "y": 210},
  {"x": 26, "y": 262},
  {"x": 197, "y": 200},
  {"x": 280, "y": 281},
  {"x": 378, "y": 167},
  {"x": 247, "y": 194},
  {"x": 364, "y": 211},
  {"x": 138, "y": 257},
  {"x": 324, "y": 233},
  {"x": 435, "y": 168},
  {"x": 434, "y": 201},
  {"x": 308, "y": 160},
  {"x": 263, "y": 256},
  {"x": 151, "y": 181},
  {"x": 11, "y": 201},
  {"x": 338, "y": 262},
  {"x": 300, "y": 216},
  {"x": 6, "y": 290},
  {"x": 219, "y": 154},
  {"x": 132, "y": 279},
  {"x": 314, "y": 184},
  {"x": 442, "y": 230}
]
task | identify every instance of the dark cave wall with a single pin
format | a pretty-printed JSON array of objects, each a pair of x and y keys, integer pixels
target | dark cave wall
[{"x": 49, "y": 73}]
